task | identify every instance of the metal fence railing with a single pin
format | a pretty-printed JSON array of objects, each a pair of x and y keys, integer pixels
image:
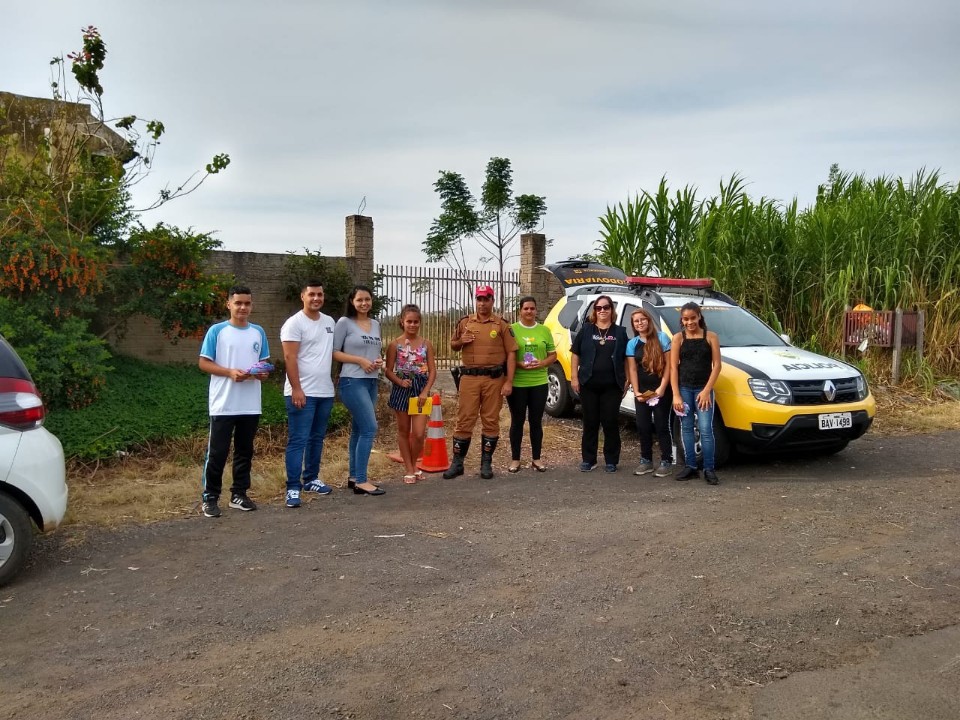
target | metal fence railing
[{"x": 444, "y": 295}]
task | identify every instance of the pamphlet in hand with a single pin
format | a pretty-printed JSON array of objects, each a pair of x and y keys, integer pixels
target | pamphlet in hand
[
  {"x": 413, "y": 408},
  {"x": 261, "y": 368}
]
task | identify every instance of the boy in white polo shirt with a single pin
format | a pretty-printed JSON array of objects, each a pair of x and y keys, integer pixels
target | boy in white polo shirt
[{"x": 230, "y": 349}]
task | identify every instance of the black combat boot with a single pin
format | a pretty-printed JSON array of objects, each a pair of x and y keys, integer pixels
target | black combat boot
[
  {"x": 486, "y": 457},
  {"x": 460, "y": 447}
]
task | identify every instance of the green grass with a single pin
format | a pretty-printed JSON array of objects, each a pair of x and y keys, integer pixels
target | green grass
[{"x": 145, "y": 403}]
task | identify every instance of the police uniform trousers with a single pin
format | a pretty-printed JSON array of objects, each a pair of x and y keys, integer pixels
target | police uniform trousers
[{"x": 479, "y": 394}]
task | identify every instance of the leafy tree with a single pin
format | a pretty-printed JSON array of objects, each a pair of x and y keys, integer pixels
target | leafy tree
[
  {"x": 75, "y": 262},
  {"x": 494, "y": 225}
]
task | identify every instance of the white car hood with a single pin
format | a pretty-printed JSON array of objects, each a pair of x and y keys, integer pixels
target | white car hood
[{"x": 786, "y": 363}]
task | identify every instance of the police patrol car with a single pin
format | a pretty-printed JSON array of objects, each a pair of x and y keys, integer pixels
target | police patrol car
[{"x": 770, "y": 395}]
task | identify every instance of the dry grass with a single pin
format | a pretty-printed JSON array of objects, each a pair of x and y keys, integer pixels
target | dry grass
[
  {"x": 902, "y": 412},
  {"x": 164, "y": 482}
]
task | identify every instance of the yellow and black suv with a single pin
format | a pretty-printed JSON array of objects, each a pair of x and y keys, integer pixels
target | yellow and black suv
[{"x": 771, "y": 396}]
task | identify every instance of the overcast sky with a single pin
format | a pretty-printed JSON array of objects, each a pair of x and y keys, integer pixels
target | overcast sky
[{"x": 320, "y": 104}]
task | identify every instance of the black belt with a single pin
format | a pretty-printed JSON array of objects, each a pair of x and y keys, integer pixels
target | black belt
[{"x": 493, "y": 372}]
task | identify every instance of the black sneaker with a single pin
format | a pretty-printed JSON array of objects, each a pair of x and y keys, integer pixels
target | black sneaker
[
  {"x": 210, "y": 508},
  {"x": 242, "y": 502},
  {"x": 688, "y": 473},
  {"x": 711, "y": 477}
]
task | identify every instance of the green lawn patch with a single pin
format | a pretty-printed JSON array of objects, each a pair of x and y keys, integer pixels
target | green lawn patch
[{"x": 145, "y": 403}]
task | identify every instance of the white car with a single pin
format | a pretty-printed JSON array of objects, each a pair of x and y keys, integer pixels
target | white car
[{"x": 33, "y": 487}]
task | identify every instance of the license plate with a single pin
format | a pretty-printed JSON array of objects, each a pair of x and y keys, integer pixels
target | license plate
[{"x": 835, "y": 421}]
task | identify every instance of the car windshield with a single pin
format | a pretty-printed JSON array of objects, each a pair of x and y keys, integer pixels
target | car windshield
[{"x": 734, "y": 326}]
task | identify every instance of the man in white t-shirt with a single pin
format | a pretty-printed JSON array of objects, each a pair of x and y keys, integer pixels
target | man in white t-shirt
[
  {"x": 230, "y": 349},
  {"x": 307, "y": 339}
]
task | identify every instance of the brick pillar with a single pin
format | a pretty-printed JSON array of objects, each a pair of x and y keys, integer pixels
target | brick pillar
[
  {"x": 535, "y": 281},
  {"x": 359, "y": 248}
]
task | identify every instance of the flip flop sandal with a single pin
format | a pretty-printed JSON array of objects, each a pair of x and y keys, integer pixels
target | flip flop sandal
[
  {"x": 513, "y": 469},
  {"x": 409, "y": 479},
  {"x": 538, "y": 467}
]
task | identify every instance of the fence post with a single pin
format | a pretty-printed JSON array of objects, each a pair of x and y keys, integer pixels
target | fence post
[
  {"x": 897, "y": 341},
  {"x": 534, "y": 281},
  {"x": 358, "y": 242}
]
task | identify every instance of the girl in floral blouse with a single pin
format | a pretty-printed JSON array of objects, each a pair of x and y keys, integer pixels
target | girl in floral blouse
[{"x": 411, "y": 367}]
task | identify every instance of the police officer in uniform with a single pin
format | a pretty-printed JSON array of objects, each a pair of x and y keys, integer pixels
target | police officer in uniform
[{"x": 489, "y": 354}]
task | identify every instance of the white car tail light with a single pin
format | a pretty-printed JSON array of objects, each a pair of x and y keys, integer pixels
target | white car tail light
[{"x": 20, "y": 406}]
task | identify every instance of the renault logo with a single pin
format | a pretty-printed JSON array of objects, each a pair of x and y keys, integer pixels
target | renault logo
[{"x": 829, "y": 391}]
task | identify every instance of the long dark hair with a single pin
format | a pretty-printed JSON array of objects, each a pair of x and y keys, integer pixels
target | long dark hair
[
  {"x": 699, "y": 311},
  {"x": 351, "y": 311}
]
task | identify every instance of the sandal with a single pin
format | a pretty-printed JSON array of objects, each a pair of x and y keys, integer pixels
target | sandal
[
  {"x": 537, "y": 466},
  {"x": 409, "y": 479},
  {"x": 514, "y": 468},
  {"x": 419, "y": 474}
]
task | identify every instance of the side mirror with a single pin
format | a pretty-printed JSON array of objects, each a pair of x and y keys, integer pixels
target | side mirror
[{"x": 785, "y": 338}]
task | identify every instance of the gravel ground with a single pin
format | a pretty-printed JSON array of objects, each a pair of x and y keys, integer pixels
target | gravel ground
[{"x": 554, "y": 595}]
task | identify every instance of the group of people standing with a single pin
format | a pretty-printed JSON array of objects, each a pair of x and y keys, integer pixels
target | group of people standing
[
  {"x": 234, "y": 353},
  {"x": 499, "y": 360},
  {"x": 665, "y": 374}
]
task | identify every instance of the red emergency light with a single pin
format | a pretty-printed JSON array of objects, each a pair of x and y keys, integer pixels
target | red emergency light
[{"x": 661, "y": 282}]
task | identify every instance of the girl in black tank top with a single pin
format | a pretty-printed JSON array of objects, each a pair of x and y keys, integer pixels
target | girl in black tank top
[{"x": 695, "y": 365}]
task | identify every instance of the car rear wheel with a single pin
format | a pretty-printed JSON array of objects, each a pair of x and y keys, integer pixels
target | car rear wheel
[
  {"x": 721, "y": 443},
  {"x": 16, "y": 537},
  {"x": 559, "y": 395}
]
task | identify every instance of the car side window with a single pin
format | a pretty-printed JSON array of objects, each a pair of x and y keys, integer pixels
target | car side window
[{"x": 569, "y": 316}]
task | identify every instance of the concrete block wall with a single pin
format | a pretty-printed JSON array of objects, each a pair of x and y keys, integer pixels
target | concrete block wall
[{"x": 265, "y": 275}]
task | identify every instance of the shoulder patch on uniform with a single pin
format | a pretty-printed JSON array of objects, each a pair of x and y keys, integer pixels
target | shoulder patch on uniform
[{"x": 510, "y": 330}]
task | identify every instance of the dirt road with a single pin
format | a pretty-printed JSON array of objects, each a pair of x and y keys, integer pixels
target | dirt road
[{"x": 556, "y": 595}]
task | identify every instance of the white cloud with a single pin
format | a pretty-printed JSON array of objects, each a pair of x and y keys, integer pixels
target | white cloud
[{"x": 321, "y": 104}]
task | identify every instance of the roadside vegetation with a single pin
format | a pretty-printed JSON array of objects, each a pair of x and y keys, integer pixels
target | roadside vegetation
[
  {"x": 76, "y": 259},
  {"x": 890, "y": 242}
]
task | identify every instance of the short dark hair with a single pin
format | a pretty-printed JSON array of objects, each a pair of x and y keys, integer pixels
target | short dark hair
[
  {"x": 238, "y": 290},
  {"x": 311, "y": 282},
  {"x": 526, "y": 299}
]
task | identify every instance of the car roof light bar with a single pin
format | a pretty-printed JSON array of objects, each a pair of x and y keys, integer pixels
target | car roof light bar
[{"x": 661, "y": 282}]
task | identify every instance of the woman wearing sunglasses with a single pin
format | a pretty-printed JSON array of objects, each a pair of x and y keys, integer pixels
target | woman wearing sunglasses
[{"x": 599, "y": 376}]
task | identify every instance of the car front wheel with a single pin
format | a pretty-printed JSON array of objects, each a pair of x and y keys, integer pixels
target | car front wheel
[
  {"x": 16, "y": 537},
  {"x": 559, "y": 394},
  {"x": 721, "y": 443}
]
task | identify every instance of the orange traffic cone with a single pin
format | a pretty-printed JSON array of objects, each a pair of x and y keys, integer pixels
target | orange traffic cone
[{"x": 435, "y": 458}]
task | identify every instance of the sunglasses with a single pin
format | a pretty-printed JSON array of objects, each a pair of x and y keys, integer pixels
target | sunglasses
[{"x": 601, "y": 307}]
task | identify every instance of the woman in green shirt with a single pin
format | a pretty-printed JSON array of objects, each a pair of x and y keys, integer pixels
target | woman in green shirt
[{"x": 535, "y": 354}]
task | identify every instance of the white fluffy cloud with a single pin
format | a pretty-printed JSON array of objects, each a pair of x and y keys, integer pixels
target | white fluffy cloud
[{"x": 323, "y": 104}]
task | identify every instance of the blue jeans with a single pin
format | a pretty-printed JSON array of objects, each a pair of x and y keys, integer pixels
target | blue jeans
[
  {"x": 704, "y": 425},
  {"x": 360, "y": 397},
  {"x": 306, "y": 428}
]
